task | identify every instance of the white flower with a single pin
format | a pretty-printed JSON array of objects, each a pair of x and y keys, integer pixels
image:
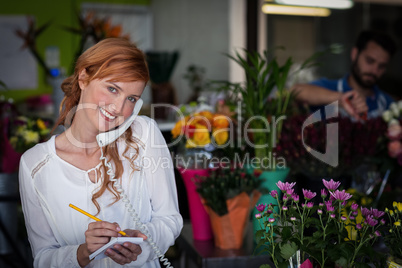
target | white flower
[
  {"x": 394, "y": 109},
  {"x": 393, "y": 122},
  {"x": 387, "y": 115},
  {"x": 400, "y": 105}
]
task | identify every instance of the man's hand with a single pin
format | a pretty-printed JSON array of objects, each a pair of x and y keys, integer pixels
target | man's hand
[{"x": 354, "y": 104}]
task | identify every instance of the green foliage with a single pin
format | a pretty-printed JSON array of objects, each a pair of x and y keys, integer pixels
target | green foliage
[{"x": 223, "y": 184}]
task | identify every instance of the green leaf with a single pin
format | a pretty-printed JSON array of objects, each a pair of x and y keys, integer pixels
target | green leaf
[
  {"x": 265, "y": 266},
  {"x": 341, "y": 262},
  {"x": 288, "y": 250}
]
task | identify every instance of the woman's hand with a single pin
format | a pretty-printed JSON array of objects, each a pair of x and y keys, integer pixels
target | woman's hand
[
  {"x": 97, "y": 235},
  {"x": 128, "y": 252}
]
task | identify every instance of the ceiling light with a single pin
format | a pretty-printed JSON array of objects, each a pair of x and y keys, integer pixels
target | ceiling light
[
  {"x": 295, "y": 10},
  {"x": 336, "y": 4}
]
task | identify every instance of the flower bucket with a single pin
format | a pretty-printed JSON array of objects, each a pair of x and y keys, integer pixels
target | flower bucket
[
  {"x": 229, "y": 229},
  {"x": 198, "y": 215},
  {"x": 270, "y": 178}
]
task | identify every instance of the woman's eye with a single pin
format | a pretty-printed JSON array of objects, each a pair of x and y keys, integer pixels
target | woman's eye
[
  {"x": 112, "y": 89},
  {"x": 132, "y": 99}
]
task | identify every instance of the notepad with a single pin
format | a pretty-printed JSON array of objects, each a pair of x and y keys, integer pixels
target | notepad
[{"x": 100, "y": 253}]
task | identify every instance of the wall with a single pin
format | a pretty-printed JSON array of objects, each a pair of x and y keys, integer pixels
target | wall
[
  {"x": 199, "y": 30},
  {"x": 60, "y": 14}
]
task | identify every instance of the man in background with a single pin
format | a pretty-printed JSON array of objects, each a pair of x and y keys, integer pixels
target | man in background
[{"x": 357, "y": 92}]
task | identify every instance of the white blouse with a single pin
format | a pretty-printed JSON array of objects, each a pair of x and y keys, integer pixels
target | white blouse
[{"x": 48, "y": 184}]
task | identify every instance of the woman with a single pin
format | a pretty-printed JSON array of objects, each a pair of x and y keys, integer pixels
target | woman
[{"x": 108, "y": 80}]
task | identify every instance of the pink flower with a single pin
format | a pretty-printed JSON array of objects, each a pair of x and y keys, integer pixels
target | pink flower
[
  {"x": 308, "y": 194},
  {"x": 394, "y": 132},
  {"x": 351, "y": 217},
  {"x": 394, "y": 148},
  {"x": 359, "y": 226},
  {"x": 289, "y": 192},
  {"x": 332, "y": 216},
  {"x": 271, "y": 220},
  {"x": 258, "y": 216},
  {"x": 330, "y": 208},
  {"x": 274, "y": 193},
  {"x": 354, "y": 206},
  {"x": 310, "y": 205},
  {"x": 295, "y": 198},
  {"x": 323, "y": 193},
  {"x": 341, "y": 195},
  {"x": 343, "y": 218},
  {"x": 285, "y": 186},
  {"x": 331, "y": 185},
  {"x": 371, "y": 221},
  {"x": 377, "y": 233},
  {"x": 319, "y": 211},
  {"x": 260, "y": 207}
]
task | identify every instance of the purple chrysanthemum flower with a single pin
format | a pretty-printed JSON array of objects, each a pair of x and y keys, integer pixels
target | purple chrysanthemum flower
[
  {"x": 292, "y": 218},
  {"x": 377, "y": 233},
  {"x": 289, "y": 192},
  {"x": 352, "y": 217},
  {"x": 371, "y": 221},
  {"x": 310, "y": 205},
  {"x": 271, "y": 220},
  {"x": 261, "y": 207},
  {"x": 285, "y": 208},
  {"x": 332, "y": 216},
  {"x": 319, "y": 211},
  {"x": 354, "y": 206},
  {"x": 376, "y": 213},
  {"x": 343, "y": 218},
  {"x": 359, "y": 226},
  {"x": 258, "y": 216},
  {"x": 382, "y": 222},
  {"x": 285, "y": 186},
  {"x": 355, "y": 213},
  {"x": 323, "y": 193},
  {"x": 269, "y": 211},
  {"x": 331, "y": 185},
  {"x": 341, "y": 195},
  {"x": 365, "y": 211},
  {"x": 274, "y": 193},
  {"x": 308, "y": 194},
  {"x": 321, "y": 205},
  {"x": 330, "y": 208},
  {"x": 295, "y": 198}
]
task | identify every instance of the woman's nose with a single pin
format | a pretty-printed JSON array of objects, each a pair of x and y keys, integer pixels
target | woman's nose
[{"x": 117, "y": 106}]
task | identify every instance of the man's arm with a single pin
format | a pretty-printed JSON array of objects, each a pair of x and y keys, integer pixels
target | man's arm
[
  {"x": 352, "y": 102},
  {"x": 315, "y": 95}
]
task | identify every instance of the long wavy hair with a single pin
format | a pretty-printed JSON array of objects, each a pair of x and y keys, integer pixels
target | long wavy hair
[{"x": 122, "y": 61}]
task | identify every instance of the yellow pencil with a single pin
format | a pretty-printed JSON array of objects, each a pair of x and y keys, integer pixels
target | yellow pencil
[{"x": 91, "y": 216}]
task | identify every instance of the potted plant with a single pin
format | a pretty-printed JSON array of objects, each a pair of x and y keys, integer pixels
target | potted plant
[
  {"x": 197, "y": 135},
  {"x": 228, "y": 194},
  {"x": 319, "y": 233}
]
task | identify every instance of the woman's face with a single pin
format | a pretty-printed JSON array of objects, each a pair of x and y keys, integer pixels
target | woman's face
[{"x": 106, "y": 104}]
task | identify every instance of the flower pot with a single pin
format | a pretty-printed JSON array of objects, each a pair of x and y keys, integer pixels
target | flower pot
[
  {"x": 8, "y": 210},
  {"x": 198, "y": 215},
  {"x": 229, "y": 229},
  {"x": 270, "y": 178}
]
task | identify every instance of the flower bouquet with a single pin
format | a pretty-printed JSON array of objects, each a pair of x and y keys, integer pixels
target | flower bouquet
[
  {"x": 228, "y": 195},
  {"x": 394, "y": 131},
  {"x": 318, "y": 233},
  {"x": 393, "y": 235},
  {"x": 19, "y": 133}
]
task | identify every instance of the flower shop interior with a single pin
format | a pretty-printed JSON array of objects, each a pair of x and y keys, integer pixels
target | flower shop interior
[{"x": 263, "y": 179}]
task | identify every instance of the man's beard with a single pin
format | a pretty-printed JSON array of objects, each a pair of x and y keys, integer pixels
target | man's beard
[{"x": 358, "y": 76}]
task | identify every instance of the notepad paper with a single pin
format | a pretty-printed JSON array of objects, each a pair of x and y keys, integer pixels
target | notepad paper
[{"x": 100, "y": 253}]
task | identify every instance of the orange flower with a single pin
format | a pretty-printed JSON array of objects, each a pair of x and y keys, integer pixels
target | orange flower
[
  {"x": 220, "y": 136},
  {"x": 220, "y": 121},
  {"x": 201, "y": 137},
  {"x": 178, "y": 128}
]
